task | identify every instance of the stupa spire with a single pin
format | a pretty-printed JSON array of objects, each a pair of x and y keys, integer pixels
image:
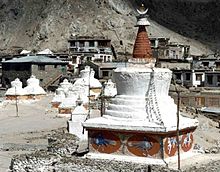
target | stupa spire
[{"x": 142, "y": 46}]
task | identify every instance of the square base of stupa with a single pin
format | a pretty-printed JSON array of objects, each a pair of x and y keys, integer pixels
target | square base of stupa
[
  {"x": 64, "y": 111},
  {"x": 171, "y": 162},
  {"x": 17, "y": 97},
  {"x": 55, "y": 104},
  {"x": 157, "y": 145}
]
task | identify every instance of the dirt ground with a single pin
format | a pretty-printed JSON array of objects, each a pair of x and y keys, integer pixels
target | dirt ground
[{"x": 27, "y": 132}]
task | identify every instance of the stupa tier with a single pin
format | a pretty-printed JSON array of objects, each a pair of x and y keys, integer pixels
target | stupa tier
[{"x": 141, "y": 121}]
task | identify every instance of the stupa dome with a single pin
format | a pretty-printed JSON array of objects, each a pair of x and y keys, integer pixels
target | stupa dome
[
  {"x": 33, "y": 87},
  {"x": 16, "y": 88}
]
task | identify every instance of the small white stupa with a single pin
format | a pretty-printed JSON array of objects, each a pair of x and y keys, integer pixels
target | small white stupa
[
  {"x": 61, "y": 93},
  {"x": 140, "y": 123},
  {"x": 87, "y": 79},
  {"x": 110, "y": 89},
  {"x": 78, "y": 116},
  {"x": 16, "y": 91},
  {"x": 84, "y": 87},
  {"x": 33, "y": 88}
]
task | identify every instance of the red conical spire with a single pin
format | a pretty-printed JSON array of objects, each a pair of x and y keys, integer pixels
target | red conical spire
[{"x": 142, "y": 45}]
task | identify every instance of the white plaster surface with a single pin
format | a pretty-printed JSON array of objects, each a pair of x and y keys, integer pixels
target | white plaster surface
[
  {"x": 110, "y": 89},
  {"x": 142, "y": 103},
  {"x": 68, "y": 93},
  {"x": 143, "y": 22},
  {"x": 33, "y": 87},
  {"x": 87, "y": 78},
  {"x": 75, "y": 126},
  {"x": 16, "y": 88},
  {"x": 171, "y": 161},
  {"x": 123, "y": 158}
]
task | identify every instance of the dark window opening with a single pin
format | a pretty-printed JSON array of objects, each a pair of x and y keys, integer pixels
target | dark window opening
[
  {"x": 81, "y": 43},
  {"x": 105, "y": 73},
  {"x": 205, "y": 64},
  {"x": 210, "y": 79},
  {"x": 72, "y": 44},
  {"x": 167, "y": 53},
  {"x": 89, "y": 58},
  {"x": 91, "y": 43},
  {"x": 218, "y": 78},
  {"x": 188, "y": 76},
  {"x": 41, "y": 67},
  {"x": 178, "y": 76}
]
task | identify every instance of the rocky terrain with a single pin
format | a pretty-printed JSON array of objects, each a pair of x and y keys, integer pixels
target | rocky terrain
[
  {"x": 196, "y": 19},
  {"x": 40, "y": 24},
  {"x": 61, "y": 158}
]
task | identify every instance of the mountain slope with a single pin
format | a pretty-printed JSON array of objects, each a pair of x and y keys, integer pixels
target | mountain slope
[{"x": 40, "y": 24}]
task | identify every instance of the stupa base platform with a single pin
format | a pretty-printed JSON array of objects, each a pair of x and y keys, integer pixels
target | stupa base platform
[
  {"x": 65, "y": 110},
  {"x": 64, "y": 115},
  {"x": 170, "y": 162},
  {"x": 55, "y": 104},
  {"x": 18, "y": 97},
  {"x": 155, "y": 145},
  {"x": 25, "y": 97}
]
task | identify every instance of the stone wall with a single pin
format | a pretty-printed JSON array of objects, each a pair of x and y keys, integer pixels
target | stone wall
[
  {"x": 10, "y": 72},
  {"x": 198, "y": 100},
  {"x": 50, "y": 73}
]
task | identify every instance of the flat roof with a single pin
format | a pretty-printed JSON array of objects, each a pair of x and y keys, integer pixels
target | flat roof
[
  {"x": 35, "y": 59},
  {"x": 88, "y": 38},
  {"x": 110, "y": 64}
]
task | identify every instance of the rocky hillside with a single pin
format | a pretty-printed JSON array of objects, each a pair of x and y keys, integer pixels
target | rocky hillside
[
  {"x": 197, "y": 19},
  {"x": 39, "y": 24}
]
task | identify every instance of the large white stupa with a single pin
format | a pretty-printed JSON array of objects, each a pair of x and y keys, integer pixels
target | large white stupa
[{"x": 141, "y": 121}]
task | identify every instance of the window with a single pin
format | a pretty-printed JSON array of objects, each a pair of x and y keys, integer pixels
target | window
[
  {"x": 188, "y": 76},
  {"x": 41, "y": 80},
  {"x": 74, "y": 59},
  {"x": 81, "y": 44},
  {"x": 200, "y": 101},
  {"x": 41, "y": 67},
  {"x": 91, "y": 43},
  {"x": 89, "y": 58},
  {"x": 174, "y": 53},
  {"x": 72, "y": 44},
  {"x": 178, "y": 76},
  {"x": 218, "y": 78},
  {"x": 102, "y": 43},
  {"x": 167, "y": 53},
  {"x": 105, "y": 73},
  {"x": 198, "y": 77},
  {"x": 55, "y": 66},
  {"x": 210, "y": 79},
  {"x": 205, "y": 64},
  {"x": 109, "y": 58}
]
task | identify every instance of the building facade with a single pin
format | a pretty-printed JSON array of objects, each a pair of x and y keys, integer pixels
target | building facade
[{"x": 47, "y": 70}]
